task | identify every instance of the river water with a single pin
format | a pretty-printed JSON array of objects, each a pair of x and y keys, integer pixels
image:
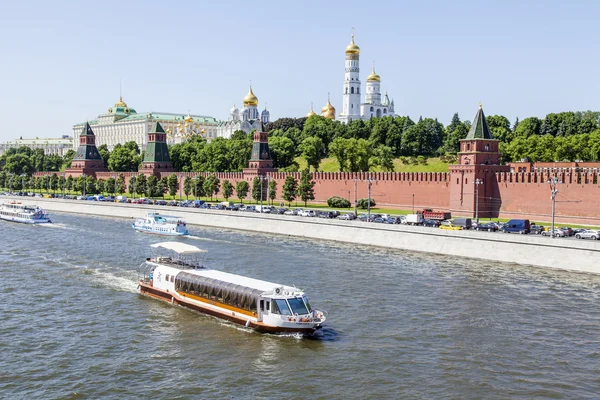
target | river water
[{"x": 401, "y": 325}]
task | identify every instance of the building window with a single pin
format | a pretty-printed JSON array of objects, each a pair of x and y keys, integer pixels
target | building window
[
  {"x": 487, "y": 147},
  {"x": 468, "y": 146},
  {"x": 351, "y": 90}
]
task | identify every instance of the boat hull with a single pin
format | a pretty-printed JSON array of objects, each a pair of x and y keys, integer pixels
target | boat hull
[
  {"x": 174, "y": 298},
  {"x": 25, "y": 220},
  {"x": 149, "y": 230}
]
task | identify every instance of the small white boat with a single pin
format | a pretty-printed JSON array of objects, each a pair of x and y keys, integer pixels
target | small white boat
[
  {"x": 24, "y": 213},
  {"x": 264, "y": 306},
  {"x": 159, "y": 224}
]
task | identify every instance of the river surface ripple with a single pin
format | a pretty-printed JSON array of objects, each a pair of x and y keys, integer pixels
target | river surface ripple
[{"x": 401, "y": 325}]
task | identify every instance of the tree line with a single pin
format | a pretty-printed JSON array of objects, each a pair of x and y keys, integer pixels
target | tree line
[{"x": 359, "y": 146}]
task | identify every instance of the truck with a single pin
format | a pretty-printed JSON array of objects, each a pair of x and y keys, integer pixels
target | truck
[
  {"x": 428, "y": 213},
  {"x": 414, "y": 219}
]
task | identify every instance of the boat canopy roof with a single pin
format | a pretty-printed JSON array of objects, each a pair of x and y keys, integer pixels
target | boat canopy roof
[
  {"x": 179, "y": 248},
  {"x": 256, "y": 284}
]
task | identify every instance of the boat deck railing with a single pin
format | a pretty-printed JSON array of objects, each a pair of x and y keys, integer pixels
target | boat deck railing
[{"x": 180, "y": 263}]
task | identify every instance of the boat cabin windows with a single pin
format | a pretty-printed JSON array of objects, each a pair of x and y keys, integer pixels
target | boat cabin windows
[
  {"x": 167, "y": 278},
  {"x": 280, "y": 306},
  {"x": 297, "y": 306},
  {"x": 172, "y": 278},
  {"x": 307, "y": 303}
]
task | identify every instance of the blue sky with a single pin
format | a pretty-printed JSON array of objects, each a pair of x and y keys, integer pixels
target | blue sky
[{"x": 62, "y": 60}]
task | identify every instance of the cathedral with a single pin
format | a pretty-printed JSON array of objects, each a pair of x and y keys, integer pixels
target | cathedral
[
  {"x": 246, "y": 119},
  {"x": 374, "y": 106}
]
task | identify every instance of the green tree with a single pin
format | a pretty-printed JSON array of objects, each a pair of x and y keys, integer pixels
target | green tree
[
  {"x": 54, "y": 182},
  {"x": 212, "y": 185},
  {"x": 162, "y": 186},
  {"x": 173, "y": 183},
  {"x": 272, "y": 190},
  {"x": 69, "y": 185},
  {"x": 227, "y": 189},
  {"x": 121, "y": 184},
  {"x": 241, "y": 190},
  {"x": 3, "y": 176},
  {"x": 101, "y": 186},
  {"x": 140, "y": 185},
  {"x": 68, "y": 158},
  {"x": 110, "y": 185},
  {"x": 151, "y": 186},
  {"x": 312, "y": 151},
  {"x": 282, "y": 150},
  {"x": 258, "y": 189},
  {"x": 62, "y": 182},
  {"x": 125, "y": 157},
  {"x": 90, "y": 185},
  {"x": 104, "y": 154},
  {"x": 384, "y": 158},
  {"x": 306, "y": 188},
  {"x": 187, "y": 186},
  {"x": 199, "y": 186}
]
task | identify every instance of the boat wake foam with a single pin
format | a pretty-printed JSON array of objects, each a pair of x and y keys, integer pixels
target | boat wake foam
[{"x": 57, "y": 226}]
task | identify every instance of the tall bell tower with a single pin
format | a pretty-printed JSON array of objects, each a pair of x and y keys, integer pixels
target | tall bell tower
[{"x": 351, "y": 94}]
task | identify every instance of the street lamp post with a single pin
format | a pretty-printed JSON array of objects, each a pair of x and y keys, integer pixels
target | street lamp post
[
  {"x": 115, "y": 186},
  {"x": 553, "y": 192},
  {"x": 84, "y": 182},
  {"x": 370, "y": 181},
  {"x": 413, "y": 203},
  {"x": 477, "y": 182},
  {"x": 355, "y": 205},
  {"x": 180, "y": 186}
]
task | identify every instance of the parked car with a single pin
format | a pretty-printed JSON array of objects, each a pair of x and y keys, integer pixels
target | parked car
[
  {"x": 488, "y": 226},
  {"x": 431, "y": 223},
  {"x": 161, "y": 202},
  {"x": 568, "y": 231},
  {"x": 521, "y": 226},
  {"x": 379, "y": 220},
  {"x": 588, "y": 234},
  {"x": 347, "y": 216},
  {"x": 464, "y": 223},
  {"x": 450, "y": 227},
  {"x": 291, "y": 212},
  {"x": 557, "y": 233},
  {"x": 307, "y": 213},
  {"x": 536, "y": 229}
]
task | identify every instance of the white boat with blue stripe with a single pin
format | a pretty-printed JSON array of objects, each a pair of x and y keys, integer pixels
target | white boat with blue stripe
[
  {"x": 24, "y": 213},
  {"x": 158, "y": 224}
]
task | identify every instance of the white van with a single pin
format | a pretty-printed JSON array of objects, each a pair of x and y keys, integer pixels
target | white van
[
  {"x": 263, "y": 209},
  {"x": 121, "y": 199}
]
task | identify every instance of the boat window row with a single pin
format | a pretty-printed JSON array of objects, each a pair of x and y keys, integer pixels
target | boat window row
[
  {"x": 220, "y": 291},
  {"x": 294, "y": 306},
  {"x": 170, "y": 277}
]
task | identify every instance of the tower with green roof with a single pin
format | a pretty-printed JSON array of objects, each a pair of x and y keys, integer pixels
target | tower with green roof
[
  {"x": 260, "y": 161},
  {"x": 473, "y": 183},
  {"x": 87, "y": 160},
  {"x": 156, "y": 157}
]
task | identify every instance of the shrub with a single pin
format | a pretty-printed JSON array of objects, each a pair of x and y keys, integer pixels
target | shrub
[
  {"x": 363, "y": 203},
  {"x": 338, "y": 202},
  {"x": 422, "y": 160}
]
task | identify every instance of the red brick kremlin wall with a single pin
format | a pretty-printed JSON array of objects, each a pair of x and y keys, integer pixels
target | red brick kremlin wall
[{"x": 513, "y": 195}]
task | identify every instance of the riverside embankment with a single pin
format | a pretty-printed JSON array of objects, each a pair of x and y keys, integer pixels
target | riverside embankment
[{"x": 572, "y": 255}]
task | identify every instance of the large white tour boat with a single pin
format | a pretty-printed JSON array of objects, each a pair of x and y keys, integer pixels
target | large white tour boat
[
  {"x": 25, "y": 213},
  {"x": 161, "y": 225},
  {"x": 181, "y": 279}
]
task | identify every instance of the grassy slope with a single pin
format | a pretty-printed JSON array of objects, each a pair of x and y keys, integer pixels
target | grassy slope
[{"x": 331, "y": 165}]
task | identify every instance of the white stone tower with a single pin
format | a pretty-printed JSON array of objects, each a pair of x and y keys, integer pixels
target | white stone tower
[
  {"x": 351, "y": 95},
  {"x": 373, "y": 95}
]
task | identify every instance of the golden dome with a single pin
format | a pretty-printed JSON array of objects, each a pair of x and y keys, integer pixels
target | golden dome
[
  {"x": 250, "y": 99},
  {"x": 352, "y": 48},
  {"x": 329, "y": 110},
  {"x": 373, "y": 76},
  {"x": 203, "y": 131},
  {"x": 310, "y": 113},
  {"x": 189, "y": 118},
  {"x": 121, "y": 103}
]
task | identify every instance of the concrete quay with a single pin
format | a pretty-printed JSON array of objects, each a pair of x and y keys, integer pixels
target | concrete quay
[{"x": 570, "y": 255}]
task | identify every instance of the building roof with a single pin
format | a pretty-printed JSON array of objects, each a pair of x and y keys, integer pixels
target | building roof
[
  {"x": 161, "y": 116},
  {"x": 479, "y": 128},
  {"x": 47, "y": 141}
]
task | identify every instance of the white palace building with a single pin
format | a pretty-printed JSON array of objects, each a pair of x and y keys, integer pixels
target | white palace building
[
  {"x": 246, "y": 119},
  {"x": 121, "y": 124}
]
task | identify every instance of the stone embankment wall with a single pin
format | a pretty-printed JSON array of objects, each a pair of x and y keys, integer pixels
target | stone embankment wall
[{"x": 572, "y": 255}]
